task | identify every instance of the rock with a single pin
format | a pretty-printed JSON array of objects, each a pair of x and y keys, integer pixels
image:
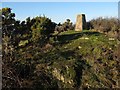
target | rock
[
  {"x": 111, "y": 39},
  {"x": 84, "y": 38},
  {"x": 79, "y": 47}
]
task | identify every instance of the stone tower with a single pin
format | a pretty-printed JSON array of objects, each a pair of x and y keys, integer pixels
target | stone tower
[{"x": 80, "y": 22}]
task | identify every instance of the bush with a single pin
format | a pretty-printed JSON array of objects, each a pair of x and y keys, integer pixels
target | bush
[
  {"x": 106, "y": 25},
  {"x": 42, "y": 27}
]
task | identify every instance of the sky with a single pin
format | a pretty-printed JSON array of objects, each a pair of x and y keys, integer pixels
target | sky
[
  {"x": 60, "y": 11},
  {"x": 119, "y": 10},
  {"x": 59, "y": 0}
]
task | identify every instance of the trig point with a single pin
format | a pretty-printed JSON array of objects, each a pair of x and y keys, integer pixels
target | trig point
[{"x": 80, "y": 22}]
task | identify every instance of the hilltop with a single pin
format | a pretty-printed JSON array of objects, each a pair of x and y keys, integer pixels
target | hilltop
[{"x": 75, "y": 59}]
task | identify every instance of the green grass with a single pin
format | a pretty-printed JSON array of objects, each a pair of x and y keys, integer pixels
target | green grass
[
  {"x": 92, "y": 46},
  {"x": 85, "y": 57},
  {"x": 69, "y": 32}
]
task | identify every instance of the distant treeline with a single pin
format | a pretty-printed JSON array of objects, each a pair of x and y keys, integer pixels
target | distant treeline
[{"x": 109, "y": 26}]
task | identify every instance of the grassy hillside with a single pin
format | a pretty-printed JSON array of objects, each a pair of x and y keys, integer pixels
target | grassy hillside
[{"x": 73, "y": 59}]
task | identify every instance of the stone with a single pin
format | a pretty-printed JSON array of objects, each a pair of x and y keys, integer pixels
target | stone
[{"x": 80, "y": 22}]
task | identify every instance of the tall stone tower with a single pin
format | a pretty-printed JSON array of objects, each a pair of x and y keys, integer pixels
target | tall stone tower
[{"x": 80, "y": 22}]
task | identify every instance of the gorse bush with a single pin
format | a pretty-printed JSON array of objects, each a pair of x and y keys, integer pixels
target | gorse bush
[
  {"x": 106, "y": 25},
  {"x": 67, "y": 25},
  {"x": 13, "y": 33},
  {"x": 42, "y": 26}
]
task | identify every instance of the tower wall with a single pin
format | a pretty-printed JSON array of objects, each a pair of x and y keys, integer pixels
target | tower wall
[{"x": 80, "y": 22}]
